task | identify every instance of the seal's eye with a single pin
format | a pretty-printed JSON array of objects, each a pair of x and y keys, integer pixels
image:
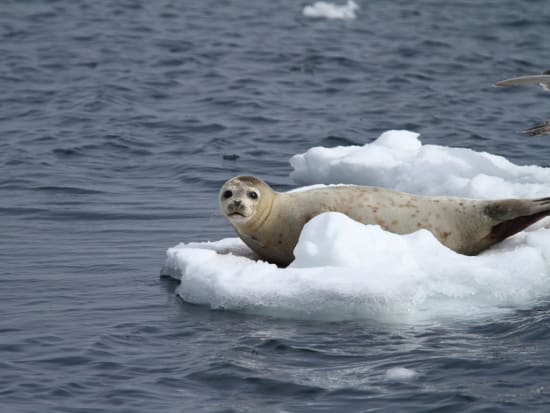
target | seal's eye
[
  {"x": 227, "y": 194},
  {"x": 253, "y": 195}
]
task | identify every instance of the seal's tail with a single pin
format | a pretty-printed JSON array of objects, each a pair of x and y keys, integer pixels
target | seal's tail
[{"x": 514, "y": 215}]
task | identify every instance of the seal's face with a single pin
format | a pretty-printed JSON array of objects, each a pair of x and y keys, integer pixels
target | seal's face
[{"x": 239, "y": 200}]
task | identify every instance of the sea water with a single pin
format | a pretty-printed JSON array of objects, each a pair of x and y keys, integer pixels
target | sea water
[{"x": 120, "y": 121}]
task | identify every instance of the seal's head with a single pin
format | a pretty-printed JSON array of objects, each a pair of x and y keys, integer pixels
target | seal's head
[{"x": 245, "y": 201}]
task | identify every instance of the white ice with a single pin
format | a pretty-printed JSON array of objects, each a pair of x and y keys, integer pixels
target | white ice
[
  {"x": 398, "y": 160},
  {"x": 400, "y": 374},
  {"x": 346, "y": 270},
  {"x": 326, "y": 10}
]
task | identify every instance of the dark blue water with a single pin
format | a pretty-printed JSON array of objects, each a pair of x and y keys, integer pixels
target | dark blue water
[{"x": 120, "y": 120}]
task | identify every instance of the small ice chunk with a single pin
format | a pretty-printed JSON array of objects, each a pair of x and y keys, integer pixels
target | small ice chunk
[
  {"x": 400, "y": 374},
  {"x": 326, "y": 10}
]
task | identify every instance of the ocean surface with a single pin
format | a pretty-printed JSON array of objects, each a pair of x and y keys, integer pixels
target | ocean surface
[{"x": 119, "y": 121}]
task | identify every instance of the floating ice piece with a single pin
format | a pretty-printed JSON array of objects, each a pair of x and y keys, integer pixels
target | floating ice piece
[
  {"x": 400, "y": 374},
  {"x": 346, "y": 270},
  {"x": 326, "y": 10}
]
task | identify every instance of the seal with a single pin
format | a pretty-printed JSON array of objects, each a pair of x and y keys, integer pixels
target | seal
[{"x": 270, "y": 222}]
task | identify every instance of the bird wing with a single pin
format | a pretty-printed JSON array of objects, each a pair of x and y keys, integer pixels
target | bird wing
[{"x": 525, "y": 80}]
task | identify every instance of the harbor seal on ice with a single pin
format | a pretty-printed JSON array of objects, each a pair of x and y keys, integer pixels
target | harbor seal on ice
[{"x": 270, "y": 222}]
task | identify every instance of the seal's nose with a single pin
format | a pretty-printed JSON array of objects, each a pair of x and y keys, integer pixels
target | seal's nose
[{"x": 237, "y": 202}]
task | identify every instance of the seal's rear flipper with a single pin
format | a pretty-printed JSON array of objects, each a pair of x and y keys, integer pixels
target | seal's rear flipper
[{"x": 539, "y": 209}]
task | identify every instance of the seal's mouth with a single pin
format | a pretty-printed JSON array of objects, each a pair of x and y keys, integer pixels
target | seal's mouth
[{"x": 233, "y": 214}]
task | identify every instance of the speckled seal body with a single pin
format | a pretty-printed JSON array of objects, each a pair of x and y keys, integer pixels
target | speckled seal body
[{"x": 270, "y": 222}]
